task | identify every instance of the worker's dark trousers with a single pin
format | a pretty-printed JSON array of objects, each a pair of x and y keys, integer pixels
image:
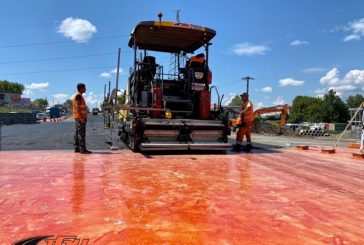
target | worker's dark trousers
[{"x": 80, "y": 135}]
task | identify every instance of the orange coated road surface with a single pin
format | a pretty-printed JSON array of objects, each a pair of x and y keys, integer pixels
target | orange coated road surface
[{"x": 281, "y": 197}]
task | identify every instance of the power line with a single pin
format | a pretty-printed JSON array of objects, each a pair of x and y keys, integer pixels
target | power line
[
  {"x": 59, "y": 58},
  {"x": 27, "y": 26},
  {"x": 89, "y": 19},
  {"x": 140, "y": 14},
  {"x": 50, "y": 71},
  {"x": 57, "y": 42},
  {"x": 56, "y": 58},
  {"x": 186, "y": 7}
]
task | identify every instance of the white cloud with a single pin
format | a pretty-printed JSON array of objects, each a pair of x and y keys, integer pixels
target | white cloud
[
  {"x": 249, "y": 49},
  {"x": 354, "y": 76},
  {"x": 357, "y": 30},
  {"x": 60, "y": 97},
  {"x": 331, "y": 77},
  {"x": 278, "y": 101},
  {"x": 264, "y": 89},
  {"x": 351, "y": 37},
  {"x": 37, "y": 86},
  {"x": 267, "y": 89},
  {"x": 343, "y": 88},
  {"x": 259, "y": 105},
  {"x": 105, "y": 74},
  {"x": 92, "y": 100},
  {"x": 78, "y": 30},
  {"x": 290, "y": 82},
  {"x": 320, "y": 91},
  {"x": 298, "y": 43},
  {"x": 27, "y": 93},
  {"x": 352, "y": 81},
  {"x": 314, "y": 70},
  {"x": 113, "y": 71}
]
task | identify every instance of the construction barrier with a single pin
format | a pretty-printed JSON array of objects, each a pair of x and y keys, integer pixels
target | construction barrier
[
  {"x": 313, "y": 132},
  {"x": 51, "y": 120}
]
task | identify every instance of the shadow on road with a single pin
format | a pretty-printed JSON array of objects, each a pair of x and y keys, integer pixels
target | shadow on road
[{"x": 257, "y": 149}]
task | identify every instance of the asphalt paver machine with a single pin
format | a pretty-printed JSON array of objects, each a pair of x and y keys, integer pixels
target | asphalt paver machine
[{"x": 164, "y": 112}]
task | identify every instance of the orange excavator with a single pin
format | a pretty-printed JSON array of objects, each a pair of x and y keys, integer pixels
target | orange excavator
[{"x": 283, "y": 109}]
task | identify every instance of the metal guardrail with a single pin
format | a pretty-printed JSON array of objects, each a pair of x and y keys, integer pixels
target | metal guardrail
[
  {"x": 354, "y": 118},
  {"x": 356, "y": 126}
]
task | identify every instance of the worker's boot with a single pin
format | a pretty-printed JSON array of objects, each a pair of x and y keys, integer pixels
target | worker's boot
[
  {"x": 85, "y": 152},
  {"x": 248, "y": 147},
  {"x": 77, "y": 149},
  {"x": 237, "y": 148}
]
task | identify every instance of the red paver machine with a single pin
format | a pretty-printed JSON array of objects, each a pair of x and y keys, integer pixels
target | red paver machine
[{"x": 165, "y": 111}]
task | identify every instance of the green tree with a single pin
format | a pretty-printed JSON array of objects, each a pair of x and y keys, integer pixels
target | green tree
[
  {"x": 121, "y": 99},
  {"x": 40, "y": 103},
  {"x": 236, "y": 101},
  {"x": 68, "y": 103},
  {"x": 306, "y": 109},
  {"x": 354, "y": 101},
  {"x": 11, "y": 87},
  {"x": 334, "y": 109}
]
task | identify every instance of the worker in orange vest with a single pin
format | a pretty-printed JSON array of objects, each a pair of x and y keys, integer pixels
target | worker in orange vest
[
  {"x": 361, "y": 149},
  {"x": 80, "y": 115},
  {"x": 246, "y": 115},
  {"x": 197, "y": 61}
]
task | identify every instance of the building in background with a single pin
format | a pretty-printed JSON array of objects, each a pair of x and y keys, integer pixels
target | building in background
[{"x": 10, "y": 99}]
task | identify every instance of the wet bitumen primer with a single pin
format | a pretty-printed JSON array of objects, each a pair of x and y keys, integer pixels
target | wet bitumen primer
[{"x": 1, "y": 125}]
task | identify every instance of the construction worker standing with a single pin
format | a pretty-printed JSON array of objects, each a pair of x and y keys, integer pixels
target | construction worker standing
[
  {"x": 361, "y": 149},
  {"x": 80, "y": 115},
  {"x": 246, "y": 115}
]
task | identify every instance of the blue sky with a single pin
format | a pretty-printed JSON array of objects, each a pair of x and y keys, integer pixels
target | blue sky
[{"x": 290, "y": 47}]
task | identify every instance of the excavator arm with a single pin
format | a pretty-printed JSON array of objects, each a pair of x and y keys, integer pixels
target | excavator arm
[{"x": 283, "y": 109}]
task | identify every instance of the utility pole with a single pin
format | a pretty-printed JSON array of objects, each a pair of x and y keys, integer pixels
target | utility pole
[
  {"x": 247, "y": 83},
  {"x": 109, "y": 94},
  {"x": 105, "y": 92},
  {"x": 177, "y": 16},
  {"x": 117, "y": 78}
]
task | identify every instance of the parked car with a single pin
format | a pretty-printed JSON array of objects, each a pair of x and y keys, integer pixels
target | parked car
[
  {"x": 95, "y": 111},
  {"x": 40, "y": 116}
]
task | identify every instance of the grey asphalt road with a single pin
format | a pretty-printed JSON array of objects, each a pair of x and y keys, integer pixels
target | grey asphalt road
[
  {"x": 59, "y": 136},
  {"x": 55, "y": 135}
]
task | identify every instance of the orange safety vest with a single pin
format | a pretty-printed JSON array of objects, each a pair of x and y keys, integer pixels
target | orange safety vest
[
  {"x": 248, "y": 114},
  {"x": 200, "y": 60},
  {"x": 83, "y": 108}
]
